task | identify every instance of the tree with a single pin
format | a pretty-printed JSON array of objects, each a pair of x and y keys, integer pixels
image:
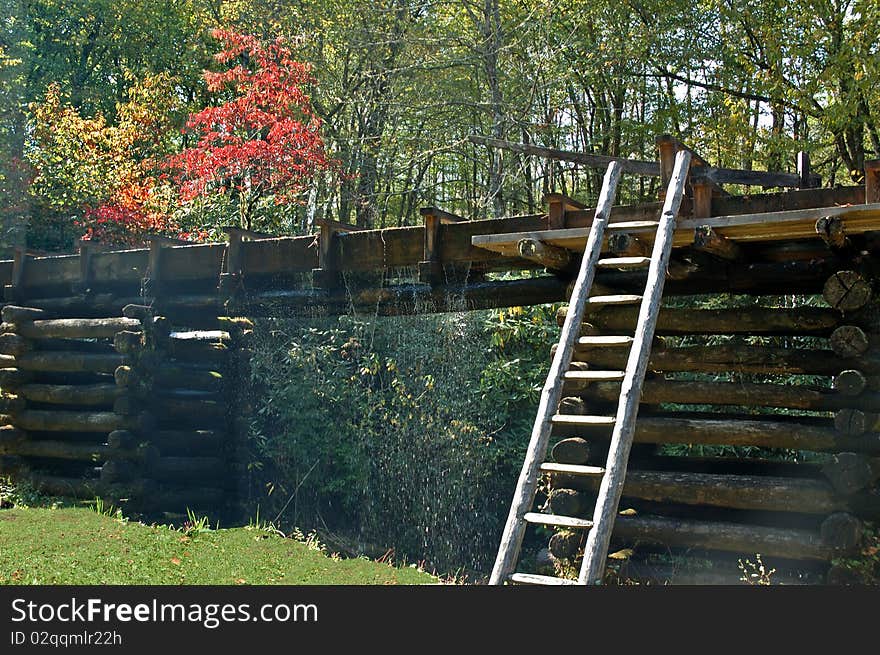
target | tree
[
  {"x": 264, "y": 141},
  {"x": 99, "y": 174}
]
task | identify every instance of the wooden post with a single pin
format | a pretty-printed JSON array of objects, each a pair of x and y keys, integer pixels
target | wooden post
[
  {"x": 557, "y": 206},
  {"x": 153, "y": 281},
  {"x": 431, "y": 266},
  {"x": 85, "y": 265},
  {"x": 667, "y": 145},
  {"x": 872, "y": 181},
  {"x": 808, "y": 179},
  {"x": 231, "y": 276},
  {"x": 13, "y": 291},
  {"x": 702, "y": 198},
  {"x": 326, "y": 276}
]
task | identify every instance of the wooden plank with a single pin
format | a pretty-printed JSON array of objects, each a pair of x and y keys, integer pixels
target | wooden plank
[
  {"x": 556, "y": 521},
  {"x": 579, "y": 470},
  {"x": 774, "y": 226},
  {"x": 545, "y": 580},
  {"x": 551, "y": 394},
  {"x": 596, "y": 550}
]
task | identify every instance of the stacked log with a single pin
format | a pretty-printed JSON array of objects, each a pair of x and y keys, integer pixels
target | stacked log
[
  {"x": 179, "y": 375},
  {"x": 58, "y": 394},
  {"x": 780, "y": 404}
]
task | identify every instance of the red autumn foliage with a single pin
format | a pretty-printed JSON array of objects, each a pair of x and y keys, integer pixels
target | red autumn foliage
[
  {"x": 127, "y": 218},
  {"x": 265, "y": 140}
]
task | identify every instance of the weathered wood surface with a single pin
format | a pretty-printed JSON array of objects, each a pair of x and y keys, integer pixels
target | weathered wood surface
[
  {"x": 749, "y": 492},
  {"x": 847, "y": 291},
  {"x": 76, "y": 328},
  {"x": 14, "y": 344},
  {"x": 71, "y": 394},
  {"x": 738, "y": 431},
  {"x": 70, "y": 421},
  {"x": 514, "y": 530},
  {"x": 850, "y": 341},
  {"x": 716, "y": 535},
  {"x": 69, "y": 362},
  {"x": 740, "y": 358},
  {"x": 736, "y": 393},
  {"x": 549, "y": 257},
  {"x": 817, "y": 321}
]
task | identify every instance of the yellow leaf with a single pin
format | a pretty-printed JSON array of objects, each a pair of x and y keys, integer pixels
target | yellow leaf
[
  {"x": 626, "y": 553},
  {"x": 628, "y": 512}
]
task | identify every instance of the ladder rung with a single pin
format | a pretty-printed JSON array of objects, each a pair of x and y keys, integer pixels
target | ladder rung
[
  {"x": 624, "y": 262},
  {"x": 573, "y": 469},
  {"x": 625, "y": 299},
  {"x": 556, "y": 521},
  {"x": 574, "y": 419},
  {"x": 595, "y": 376},
  {"x": 633, "y": 225},
  {"x": 531, "y": 578},
  {"x": 605, "y": 341}
]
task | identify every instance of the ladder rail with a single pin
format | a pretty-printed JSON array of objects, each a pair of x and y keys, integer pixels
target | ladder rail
[
  {"x": 514, "y": 528},
  {"x": 611, "y": 488}
]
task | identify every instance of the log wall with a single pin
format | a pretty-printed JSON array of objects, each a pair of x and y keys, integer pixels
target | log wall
[
  {"x": 135, "y": 408},
  {"x": 758, "y": 432}
]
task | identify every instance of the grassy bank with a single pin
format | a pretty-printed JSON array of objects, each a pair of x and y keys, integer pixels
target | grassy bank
[{"x": 81, "y": 546}]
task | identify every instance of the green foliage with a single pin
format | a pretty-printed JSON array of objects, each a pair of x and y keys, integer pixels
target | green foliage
[
  {"x": 405, "y": 431},
  {"x": 80, "y": 546}
]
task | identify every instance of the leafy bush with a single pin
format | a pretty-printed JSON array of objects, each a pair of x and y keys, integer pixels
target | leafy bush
[{"x": 407, "y": 432}]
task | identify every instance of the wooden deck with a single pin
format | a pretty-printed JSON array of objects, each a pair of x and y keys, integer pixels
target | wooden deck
[{"x": 765, "y": 226}]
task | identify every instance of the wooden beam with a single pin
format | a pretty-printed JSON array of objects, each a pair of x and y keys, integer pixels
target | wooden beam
[
  {"x": 550, "y": 257},
  {"x": 702, "y": 191},
  {"x": 708, "y": 240},
  {"x": 638, "y": 167},
  {"x": 832, "y": 231}
]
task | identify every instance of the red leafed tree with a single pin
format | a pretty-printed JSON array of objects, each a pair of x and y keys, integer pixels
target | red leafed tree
[{"x": 265, "y": 140}]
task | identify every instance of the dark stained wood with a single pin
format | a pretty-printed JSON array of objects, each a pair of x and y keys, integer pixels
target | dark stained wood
[
  {"x": 735, "y": 393},
  {"x": 742, "y": 320},
  {"x": 748, "y": 492},
  {"x": 77, "y": 328},
  {"x": 63, "y": 362},
  {"x": 708, "y": 240},
  {"x": 849, "y": 472},
  {"x": 849, "y": 341},
  {"x": 735, "y": 357},
  {"x": 64, "y": 394},
  {"x": 550, "y": 257},
  {"x": 717, "y": 535},
  {"x": 854, "y": 421},
  {"x": 847, "y": 291},
  {"x": 842, "y": 531},
  {"x": 850, "y": 382},
  {"x": 736, "y": 431}
]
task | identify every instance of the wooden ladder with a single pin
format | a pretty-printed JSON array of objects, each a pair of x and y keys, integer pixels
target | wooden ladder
[{"x": 623, "y": 424}]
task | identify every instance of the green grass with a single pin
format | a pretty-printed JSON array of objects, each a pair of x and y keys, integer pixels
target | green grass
[{"x": 81, "y": 546}]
